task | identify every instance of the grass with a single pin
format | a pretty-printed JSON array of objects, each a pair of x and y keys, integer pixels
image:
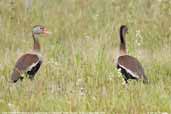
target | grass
[{"x": 78, "y": 73}]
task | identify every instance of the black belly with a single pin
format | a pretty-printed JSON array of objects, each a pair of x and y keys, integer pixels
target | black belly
[
  {"x": 125, "y": 73},
  {"x": 34, "y": 70}
]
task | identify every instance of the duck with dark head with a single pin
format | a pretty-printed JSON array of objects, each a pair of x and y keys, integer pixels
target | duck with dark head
[
  {"x": 129, "y": 66},
  {"x": 30, "y": 62}
]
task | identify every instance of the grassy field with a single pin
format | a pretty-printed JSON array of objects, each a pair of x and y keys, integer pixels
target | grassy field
[{"x": 78, "y": 73}]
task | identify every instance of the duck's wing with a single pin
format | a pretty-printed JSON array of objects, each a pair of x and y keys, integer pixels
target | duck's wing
[
  {"x": 131, "y": 65},
  {"x": 25, "y": 63}
]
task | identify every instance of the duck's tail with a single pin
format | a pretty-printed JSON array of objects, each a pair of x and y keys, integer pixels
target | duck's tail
[{"x": 15, "y": 76}]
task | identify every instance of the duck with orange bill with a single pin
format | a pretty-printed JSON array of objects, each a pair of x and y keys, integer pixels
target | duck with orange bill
[{"x": 30, "y": 62}]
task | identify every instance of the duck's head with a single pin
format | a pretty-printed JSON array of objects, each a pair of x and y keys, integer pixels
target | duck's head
[
  {"x": 39, "y": 29},
  {"x": 123, "y": 29}
]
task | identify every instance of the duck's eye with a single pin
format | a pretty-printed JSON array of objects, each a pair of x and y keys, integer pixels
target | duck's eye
[{"x": 41, "y": 28}]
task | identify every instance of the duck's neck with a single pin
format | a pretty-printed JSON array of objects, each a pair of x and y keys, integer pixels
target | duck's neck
[
  {"x": 122, "y": 50},
  {"x": 36, "y": 45}
]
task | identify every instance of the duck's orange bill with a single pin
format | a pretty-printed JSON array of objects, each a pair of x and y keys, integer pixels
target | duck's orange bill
[{"x": 45, "y": 31}]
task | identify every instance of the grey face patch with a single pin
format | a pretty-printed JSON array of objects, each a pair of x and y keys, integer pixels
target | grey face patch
[{"x": 38, "y": 30}]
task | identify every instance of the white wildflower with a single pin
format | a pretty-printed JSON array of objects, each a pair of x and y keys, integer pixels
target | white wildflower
[
  {"x": 82, "y": 91},
  {"x": 139, "y": 38}
]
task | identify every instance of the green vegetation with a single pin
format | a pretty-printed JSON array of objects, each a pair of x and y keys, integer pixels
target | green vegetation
[{"x": 78, "y": 73}]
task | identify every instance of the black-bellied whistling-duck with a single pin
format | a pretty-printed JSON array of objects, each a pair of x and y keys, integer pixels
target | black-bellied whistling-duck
[
  {"x": 30, "y": 62},
  {"x": 129, "y": 66}
]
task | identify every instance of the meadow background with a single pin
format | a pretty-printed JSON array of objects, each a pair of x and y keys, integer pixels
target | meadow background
[{"x": 78, "y": 73}]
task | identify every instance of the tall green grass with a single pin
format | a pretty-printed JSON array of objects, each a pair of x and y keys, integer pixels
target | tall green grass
[{"x": 78, "y": 73}]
